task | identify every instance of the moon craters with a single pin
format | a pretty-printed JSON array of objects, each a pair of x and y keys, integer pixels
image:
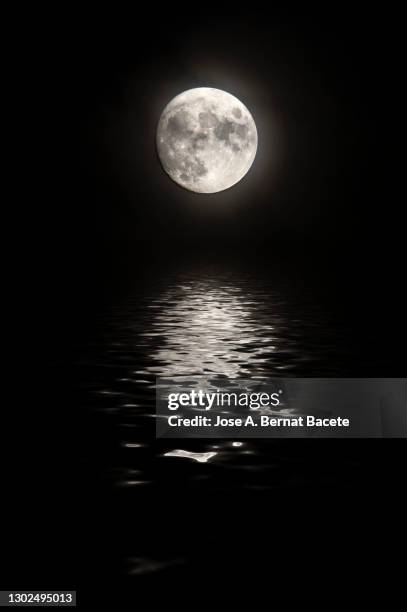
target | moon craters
[{"x": 206, "y": 140}]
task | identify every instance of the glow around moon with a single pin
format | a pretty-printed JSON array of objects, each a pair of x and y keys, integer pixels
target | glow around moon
[{"x": 206, "y": 140}]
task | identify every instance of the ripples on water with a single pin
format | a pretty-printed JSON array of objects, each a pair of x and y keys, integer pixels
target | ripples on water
[{"x": 199, "y": 323}]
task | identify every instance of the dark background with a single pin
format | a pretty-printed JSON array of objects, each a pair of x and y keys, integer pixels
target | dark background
[
  {"x": 321, "y": 202},
  {"x": 323, "y": 192}
]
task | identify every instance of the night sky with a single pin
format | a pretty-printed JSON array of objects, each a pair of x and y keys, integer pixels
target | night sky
[
  {"x": 322, "y": 192},
  {"x": 314, "y": 84}
]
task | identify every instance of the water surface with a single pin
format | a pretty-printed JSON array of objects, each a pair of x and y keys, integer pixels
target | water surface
[{"x": 221, "y": 324}]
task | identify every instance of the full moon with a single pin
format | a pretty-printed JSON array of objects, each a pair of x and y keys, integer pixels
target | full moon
[{"x": 206, "y": 140}]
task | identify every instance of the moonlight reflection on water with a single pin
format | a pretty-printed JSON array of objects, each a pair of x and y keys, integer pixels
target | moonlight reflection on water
[
  {"x": 200, "y": 457},
  {"x": 207, "y": 327},
  {"x": 213, "y": 323}
]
